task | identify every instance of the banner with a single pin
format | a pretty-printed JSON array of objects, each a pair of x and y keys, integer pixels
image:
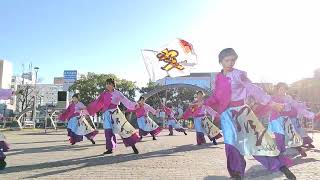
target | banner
[{"x": 173, "y": 59}]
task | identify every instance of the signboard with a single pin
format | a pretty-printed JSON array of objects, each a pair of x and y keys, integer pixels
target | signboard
[{"x": 70, "y": 76}]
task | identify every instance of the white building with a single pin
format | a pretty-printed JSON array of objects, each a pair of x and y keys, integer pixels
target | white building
[
  {"x": 48, "y": 94},
  {"x": 5, "y": 74},
  {"x": 5, "y": 83},
  {"x": 18, "y": 80}
]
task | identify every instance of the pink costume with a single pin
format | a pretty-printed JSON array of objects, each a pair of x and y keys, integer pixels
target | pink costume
[
  {"x": 228, "y": 98},
  {"x": 198, "y": 114},
  {"x": 108, "y": 103},
  {"x": 146, "y": 124},
  {"x": 291, "y": 111},
  {"x": 172, "y": 122},
  {"x": 72, "y": 115}
]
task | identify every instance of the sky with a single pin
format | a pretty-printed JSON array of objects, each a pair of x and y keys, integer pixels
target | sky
[{"x": 275, "y": 40}]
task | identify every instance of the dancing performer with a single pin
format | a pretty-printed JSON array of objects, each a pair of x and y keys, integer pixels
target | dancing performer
[
  {"x": 202, "y": 123},
  {"x": 145, "y": 123},
  {"x": 243, "y": 133},
  {"x": 114, "y": 121},
  {"x": 171, "y": 120},
  {"x": 284, "y": 124},
  {"x": 77, "y": 124},
  {"x": 304, "y": 113}
]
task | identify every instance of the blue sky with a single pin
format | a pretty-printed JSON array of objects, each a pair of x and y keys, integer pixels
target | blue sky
[
  {"x": 97, "y": 36},
  {"x": 106, "y": 36}
]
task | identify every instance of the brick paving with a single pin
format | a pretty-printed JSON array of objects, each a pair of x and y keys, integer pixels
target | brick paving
[{"x": 35, "y": 155}]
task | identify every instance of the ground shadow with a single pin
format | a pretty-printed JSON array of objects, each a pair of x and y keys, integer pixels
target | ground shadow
[
  {"x": 300, "y": 160},
  {"x": 314, "y": 150},
  {"x": 42, "y": 134},
  {"x": 67, "y": 146},
  {"x": 98, "y": 160},
  {"x": 258, "y": 171},
  {"x": 37, "y": 150},
  {"x": 39, "y": 142},
  {"x": 216, "y": 178}
]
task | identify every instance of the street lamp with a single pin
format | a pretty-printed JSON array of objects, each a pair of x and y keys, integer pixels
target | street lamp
[
  {"x": 40, "y": 100},
  {"x": 36, "y": 69}
]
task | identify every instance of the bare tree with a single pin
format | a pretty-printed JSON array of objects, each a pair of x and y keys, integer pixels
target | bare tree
[{"x": 25, "y": 99}]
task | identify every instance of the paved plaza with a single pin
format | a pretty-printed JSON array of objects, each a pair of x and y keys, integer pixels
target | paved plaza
[{"x": 35, "y": 154}]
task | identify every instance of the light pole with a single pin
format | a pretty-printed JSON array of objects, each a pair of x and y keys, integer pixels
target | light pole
[
  {"x": 36, "y": 69},
  {"x": 40, "y": 99}
]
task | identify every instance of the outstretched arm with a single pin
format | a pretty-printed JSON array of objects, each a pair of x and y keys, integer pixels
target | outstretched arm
[
  {"x": 126, "y": 102},
  {"x": 302, "y": 109},
  {"x": 210, "y": 101},
  {"x": 212, "y": 112},
  {"x": 259, "y": 94},
  {"x": 188, "y": 113},
  {"x": 68, "y": 113},
  {"x": 150, "y": 109},
  {"x": 96, "y": 105}
]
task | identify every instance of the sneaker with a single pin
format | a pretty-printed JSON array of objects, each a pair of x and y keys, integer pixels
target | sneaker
[
  {"x": 303, "y": 153},
  {"x": 154, "y": 138},
  {"x": 185, "y": 133},
  {"x": 214, "y": 142},
  {"x": 72, "y": 142},
  {"x": 108, "y": 152},
  {"x": 287, "y": 173},
  {"x": 236, "y": 177},
  {"x": 135, "y": 150},
  {"x": 3, "y": 164},
  {"x": 92, "y": 141},
  {"x": 311, "y": 146}
]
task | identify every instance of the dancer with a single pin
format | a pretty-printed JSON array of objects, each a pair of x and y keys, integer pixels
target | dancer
[
  {"x": 283, "y": 124},
  {"x": 303, "y": 113},
  {"x": 77, "y": 124},
  {"x": 171, "y": 121},
  {"x": 307, "y": 141},
  {"x": 145, "y": 123},
  {"x": 243, "y": 133},
  {"x": 202, "y": 124},
  {"x": 114, "y": 121}
]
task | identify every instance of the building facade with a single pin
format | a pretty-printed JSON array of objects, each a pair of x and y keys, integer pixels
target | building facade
[
  {"x": 58, "y": 80},
  {"x": 5, "y": 74},
  {"x": 48, "y": 94},
  {"x": 6, "y": 106}
]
